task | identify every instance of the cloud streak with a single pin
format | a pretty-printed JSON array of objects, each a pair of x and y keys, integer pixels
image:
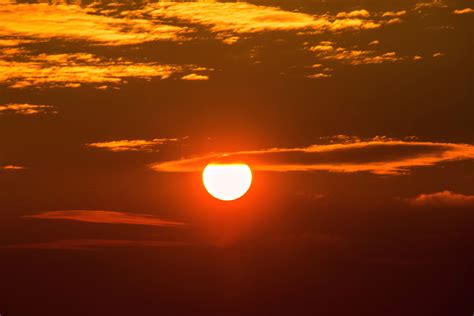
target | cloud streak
[
  {"x": 233, "y": 18},
  {"x": 132, "y": 145},
  {"x": 442, "y": 199},
  {"x": 378, "y": 156},
  {"x": 12, "y": 167},
  {"x": 74, "y": 70},
  {"x": 70, "y": 22},
  {"x": 463, "y": 11},
  {"x": 107, "y": 217},
  {"x": 327, "y": 51},
  {"x": 25, "y": 109}
]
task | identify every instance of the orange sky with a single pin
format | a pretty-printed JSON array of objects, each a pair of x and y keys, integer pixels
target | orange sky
[{"x": 355, "y": 116}]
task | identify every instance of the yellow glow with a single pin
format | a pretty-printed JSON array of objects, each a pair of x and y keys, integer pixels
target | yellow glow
[{"x": 227, "y": 182}]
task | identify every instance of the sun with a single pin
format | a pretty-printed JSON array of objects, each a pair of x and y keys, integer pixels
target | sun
[{"x": 227, "y": 182}]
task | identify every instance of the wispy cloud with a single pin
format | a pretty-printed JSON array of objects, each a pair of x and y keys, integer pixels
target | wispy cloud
[
  {"x": 71, "y": 22},
  {"x": 74, "y": 70},
  {"x": 319, "y": 75},
  {"x": 195, "y": 77},
  {"x": 132, "y": 144},
  {"x": 107, "y": 217},
  {"x": 394, "y": 14},
  {"x": 12, "y": 167},
  {"x": 463, "y": 11},
  {"x": 379, "y": 156},
  {"x": 442, "y": 199},
  {"x": 26, "y": 109},
  {"x": 92, "y": 244},
  {"x": 233, "y": 18},
  {"x": 430, "y": 4},
  {"x": 354, "y": 14},
  {"x": 327, "y": 51}
]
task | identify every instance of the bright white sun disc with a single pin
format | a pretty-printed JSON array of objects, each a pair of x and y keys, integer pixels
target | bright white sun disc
[{"x": 227, "y": 182}]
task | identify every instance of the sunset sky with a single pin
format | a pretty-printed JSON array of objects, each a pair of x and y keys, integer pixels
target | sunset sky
[{"x": 355, "y": 117}]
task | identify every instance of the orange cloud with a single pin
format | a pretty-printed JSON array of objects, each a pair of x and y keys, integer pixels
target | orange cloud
[
  {"x": 132, "y": 145},
  {"x": 443, "y": 199},
  {"x": 241, "y": 17},
  {"x": 393, "y": 14},
  {"x": 379, "y": 156},
  {"x": 71, "y": 22},
  {"x": 430, "y": 4},
  {"x": 319, "y": 75},
  {"x": 354, "y": 14},
  {"x": 91, "y": 244},
  {"x": 195, "y": 77},
  {"x": 12, "y": 167},
  {"x": 107, "y": 217},
  {"x": 327, "y": 51},
  {"x": 464, "y": 11},
  {"x": 73, "y": 70},
  {"x": 26, "y": 109}
]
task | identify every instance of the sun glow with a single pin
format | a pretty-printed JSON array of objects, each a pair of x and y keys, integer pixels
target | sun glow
[{"x": 227, "y": 182}]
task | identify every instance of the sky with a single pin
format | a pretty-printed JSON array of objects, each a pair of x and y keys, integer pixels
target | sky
[{"x": 356, "y": 118}]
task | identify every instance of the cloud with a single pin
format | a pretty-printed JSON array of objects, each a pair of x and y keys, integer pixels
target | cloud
[
  {"x": 91, "y": 244},
  {"x": 132, "y": 145},
  {"x": 354, "y": 14},
  {"x": 26, "y": 109},
  {"x": 379, "y": 156},
  {"x": 10, "y": 42},
  {"x": 233, "y": 18},
  {"x": 107, "y": 217},
  {"x": 430, "y": 5},
  {"x": 393, "y": 14},
  {"x": 319, "y": 75},
  {"x": 463, "y": 11},
  {"x": 71, "y": 22},
  {"x": 327, "y": 51},
  {"x": 12, "y": 167},
  {"x": 74, "y": 70},
  {"x": 443, "y": 199},
  {"x": 195, "y": 77}
]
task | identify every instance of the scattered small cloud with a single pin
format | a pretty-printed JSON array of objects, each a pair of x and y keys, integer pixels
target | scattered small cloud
[
  {"x": 327, "y": 51},
  {"x": 107, "y": 217},
  {"x": 463, "y": 11},
  {"x": 436, "y": 55},
  {"x": 26, "y": 109},
  {"x": 374, "y": 42},
  {"x": 442, "y": 199}
]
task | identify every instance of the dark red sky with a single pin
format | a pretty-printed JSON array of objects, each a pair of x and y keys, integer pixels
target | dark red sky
[{"x": 355, "y": 116}]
